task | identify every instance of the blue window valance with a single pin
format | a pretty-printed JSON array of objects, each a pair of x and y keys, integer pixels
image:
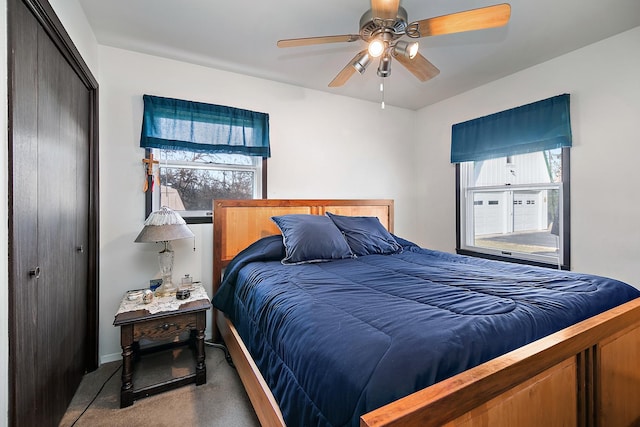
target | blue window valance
[
  {"x": 175, "y": 124},
  {"x": 542, "y": 125}
]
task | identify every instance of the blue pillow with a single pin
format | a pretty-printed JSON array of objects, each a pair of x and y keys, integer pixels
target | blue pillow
[
  {"x": 404, "y": 242},
  {"x": 366, "y": 235},
  {"x": 311, "y": 238}
]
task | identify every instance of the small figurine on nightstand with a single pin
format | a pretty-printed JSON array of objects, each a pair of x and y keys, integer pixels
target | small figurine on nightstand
[{"x": 147, "y": 296}]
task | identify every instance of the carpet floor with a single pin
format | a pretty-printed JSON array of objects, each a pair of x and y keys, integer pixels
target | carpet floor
[{"x": 222, "y": 401}]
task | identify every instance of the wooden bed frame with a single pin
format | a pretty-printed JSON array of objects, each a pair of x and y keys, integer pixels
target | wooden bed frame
[{"x": 584, "y": 375}]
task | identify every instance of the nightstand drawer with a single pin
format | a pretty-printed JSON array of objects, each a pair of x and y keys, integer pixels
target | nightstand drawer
[{"x": 165, "y": 328}]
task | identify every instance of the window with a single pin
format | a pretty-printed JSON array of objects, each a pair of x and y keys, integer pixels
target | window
[
  {"x": 205, "y": 152},
  {"x": 513, "y": 207},
  {"x": 188, "y": 181},
  {"x": 517, "y": 161}
]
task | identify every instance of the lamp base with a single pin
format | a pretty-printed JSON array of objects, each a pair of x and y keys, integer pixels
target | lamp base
[
  {"x": 166, "y": 291},
  {"x": 166, "y": 268}
]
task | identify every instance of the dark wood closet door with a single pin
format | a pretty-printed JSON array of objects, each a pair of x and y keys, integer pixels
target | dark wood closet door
[
  {"x": 63, "y": 135},
  {"x": 50, "y": 223},
  {"x": 24, "y": 217}
]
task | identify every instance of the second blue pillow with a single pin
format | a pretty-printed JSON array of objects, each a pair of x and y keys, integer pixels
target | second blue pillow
[{"x": 366, "y": 235}]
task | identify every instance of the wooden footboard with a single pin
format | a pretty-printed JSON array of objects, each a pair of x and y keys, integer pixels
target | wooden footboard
[{"x": 585, "y": 375}]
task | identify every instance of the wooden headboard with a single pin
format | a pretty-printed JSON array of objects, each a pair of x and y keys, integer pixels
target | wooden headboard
[{"x": 238, "y": 223}]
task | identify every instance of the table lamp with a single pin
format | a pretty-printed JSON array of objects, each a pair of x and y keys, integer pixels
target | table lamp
[{"x": 163, "y": 226}]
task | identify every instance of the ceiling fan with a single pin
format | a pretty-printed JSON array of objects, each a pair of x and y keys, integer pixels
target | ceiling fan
[{"x": 383, "y": 26}]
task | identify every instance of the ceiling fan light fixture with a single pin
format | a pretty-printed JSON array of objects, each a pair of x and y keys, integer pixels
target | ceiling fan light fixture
[
  {"x": 361, "y": 62},
  {"x": 384, "y": 68},
  {"x": 376, "y": 48},
  {"x": 382, "y": 26},
  {"x": 407, "y": 49}
]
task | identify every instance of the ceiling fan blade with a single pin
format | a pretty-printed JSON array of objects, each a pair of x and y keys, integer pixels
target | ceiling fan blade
[
  {"x": 385, "y": 9},
  {"x": 346, "y": 73},
  {"x": 318, "y": 40},
  {"x": 474, "y": 19},
  {"x": 419, "y": 66}
]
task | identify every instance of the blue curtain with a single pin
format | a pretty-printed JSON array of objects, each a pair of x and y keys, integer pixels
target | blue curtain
[
  {"x": 174, "y": 124},
  {"x": 542, "y": 125}
]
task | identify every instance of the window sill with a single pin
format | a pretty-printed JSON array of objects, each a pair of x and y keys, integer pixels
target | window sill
[
  {"x": 510, "y": 259},
  {"x": 198, "y": 219}
]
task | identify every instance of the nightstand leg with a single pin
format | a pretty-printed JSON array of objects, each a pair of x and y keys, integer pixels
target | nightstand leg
[
  {"x": 201, "y": 368},
  {"x": 126, "y": 341}
]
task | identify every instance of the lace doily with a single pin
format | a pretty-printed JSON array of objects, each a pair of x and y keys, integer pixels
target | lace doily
[{"x": 159, "y": 304}]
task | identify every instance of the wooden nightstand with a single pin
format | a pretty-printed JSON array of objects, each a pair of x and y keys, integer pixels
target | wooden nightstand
[{"x": 167, "y": 327}]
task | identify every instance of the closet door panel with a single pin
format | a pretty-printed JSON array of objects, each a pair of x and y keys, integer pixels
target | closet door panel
[
  {"x": 24, "y": 223},
  {"x": 53, "y": 232},
  {"x": 78, "y": 136},
  {"x": 58, "y": 214},
  {"x": 81, "y": 137}
]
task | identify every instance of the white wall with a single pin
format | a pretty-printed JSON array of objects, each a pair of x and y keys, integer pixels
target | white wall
[
  {"x": 322, "y": 146},
  {"x": 77, "y": 26},
  {"x": 605, "y": 110}
]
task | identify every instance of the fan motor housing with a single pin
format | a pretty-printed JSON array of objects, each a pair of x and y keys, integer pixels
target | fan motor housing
[{"x": 371, "y": 27}]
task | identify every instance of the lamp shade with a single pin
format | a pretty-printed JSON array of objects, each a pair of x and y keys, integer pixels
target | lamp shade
[{"x": 162, "y": 226}]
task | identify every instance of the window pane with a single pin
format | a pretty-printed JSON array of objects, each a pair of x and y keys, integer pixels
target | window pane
[
  {"x": 188, "y": 181},
  {"x": 524, "y": 221},
  {"x": 193, "y": 189},
  {"x": 532, "y": 168},
  {"x": 205, "y": 158}
]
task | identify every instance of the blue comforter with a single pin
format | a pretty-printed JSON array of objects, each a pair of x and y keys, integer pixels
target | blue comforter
[{"x": 335, "y": 340}]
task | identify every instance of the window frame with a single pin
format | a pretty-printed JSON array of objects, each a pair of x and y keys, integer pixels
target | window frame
[
  {"x": 565, "y": 228},
  {"x": 198, "y": 219}
]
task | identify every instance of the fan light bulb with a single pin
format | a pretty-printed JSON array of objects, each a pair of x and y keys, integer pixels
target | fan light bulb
[
  {"x": 406, "y": 49},
  {"x": 413, "y": 50},
  {"x": 376, "y": 48}
]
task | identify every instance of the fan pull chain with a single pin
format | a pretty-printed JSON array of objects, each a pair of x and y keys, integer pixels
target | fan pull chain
[{"x": 382, "y": 91}]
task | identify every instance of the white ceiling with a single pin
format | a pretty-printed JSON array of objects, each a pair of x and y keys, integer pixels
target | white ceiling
[{"x": 240, "y": 36}]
